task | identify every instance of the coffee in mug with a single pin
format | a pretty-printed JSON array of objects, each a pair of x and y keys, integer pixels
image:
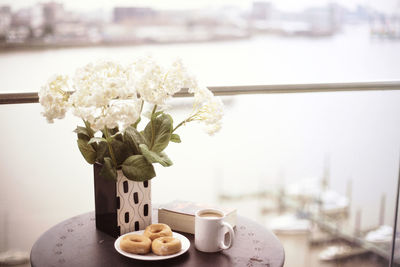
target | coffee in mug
[
  {"x": 210, "y": 231},
  {"x": 210, "y": 215}
]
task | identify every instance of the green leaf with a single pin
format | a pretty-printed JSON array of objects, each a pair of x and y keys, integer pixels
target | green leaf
[
  {"x": 111, "y": 131},
  {"x": 108, "y": 170},
  {"x": 87, "y": 151},
  {"x": 156, "y": 114},
  {"x": 117, "y": 136},
  {"x": 89, "y": 129},
  {"x": 83, "y": 137},
  {"x": 153, "y": 157},
  {"x": 82, "y": 130},
  {"x": 133, "y": 139},
  {"x": 143, "y": 133},
  {"x": 96, "y": 140},
  {"x": 166, "y": 159},
  {"x": 162, "y": 132},
  {"x": 175, "y": 138},
  {"x": 83, "y": 133},
  {"x": 121, "y": 151},
  {"x": 102, "y": 152},
  {"x": 137, "y": 168}
]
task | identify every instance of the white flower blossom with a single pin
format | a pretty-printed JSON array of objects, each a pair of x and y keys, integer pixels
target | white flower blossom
[
  {"x": 97, "y": 84},
  {"x": 108, "y": 95},
  {"x": 201, "y": 95},
  {"x": 119, "y": 113},
  {"x": 213, "y": 128},
  {"x": 211, "y": 112},
  {"x": 125, "y": 112},
  {"x": 54, "y": 98},
  {"x": 177, "y": 78},
  {"x": 207, "y": 109},
  {"x": 156, "y": 84},
  {"x": 147, "y": 78},
  {"x": 104, "y": 96}
]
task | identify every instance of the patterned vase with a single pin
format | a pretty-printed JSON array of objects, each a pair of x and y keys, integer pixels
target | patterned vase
[{"x": 122, "y": 206}]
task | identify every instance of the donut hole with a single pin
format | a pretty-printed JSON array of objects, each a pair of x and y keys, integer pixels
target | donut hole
[
  {"x": 156, "y": 231},
  {"x": 165, "y": 241},
  {"x": 135, "y": 240}
]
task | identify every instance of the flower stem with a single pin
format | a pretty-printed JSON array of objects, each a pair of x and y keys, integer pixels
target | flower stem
[
  {"x": 141, "y": 107},
  {"x": 109, "y": 139},
  {"x": 140, "y": 113},
  {"x": 179, "y": 125},
  {"x": 153, "y": 130},
  {"x": 183, "y": 122}
]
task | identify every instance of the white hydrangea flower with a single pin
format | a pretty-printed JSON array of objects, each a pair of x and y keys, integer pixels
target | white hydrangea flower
[
  {"x": 120, "y": 113},
  {"x": 156, "y": 84},
  {"x": 212, "y": 111},
  {"x": 87, "y": 113},
  {"x": 201, "y": 95},
  {"x": 108, "y": 95},
  {"x": 125, "y": 112},
  {"x": 54, "y": 98},
  {"x": 147, "y": 78},
  {"x": 105, "y": 96},
  {"x": 207, "y": 109},
  {"x": 213, "y": 128},
  {"x": 98, "y": 84},
  {"x": 177, "y": 78}
]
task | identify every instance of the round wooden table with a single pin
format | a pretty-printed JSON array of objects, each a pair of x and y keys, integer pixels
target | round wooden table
[{"x": 76, "y": 242}]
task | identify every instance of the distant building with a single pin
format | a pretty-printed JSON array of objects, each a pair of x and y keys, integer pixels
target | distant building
[
  {"x": 21, "y": 17},
  {"x": 52, "y": 12},
  {"x": 36, "y": 18},
  {"x": 5, "y": 21},
  {"x": 261, "y": 10},
  {"x": 132, "y": 14},
  {"x": 324, "y": 20}
]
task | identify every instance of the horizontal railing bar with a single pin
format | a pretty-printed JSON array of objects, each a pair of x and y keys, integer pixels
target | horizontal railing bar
[
  {"x": 32, "y": 97},
  {"x": 305, "y": 88},
  {"x": 19, "y": 98}
]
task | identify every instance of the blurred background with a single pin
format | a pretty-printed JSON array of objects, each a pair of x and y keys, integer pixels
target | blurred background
[{"x": 318, "y": 169}]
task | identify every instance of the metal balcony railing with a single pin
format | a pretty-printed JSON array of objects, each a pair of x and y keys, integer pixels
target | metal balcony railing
[{"x": 32, "y": 97}]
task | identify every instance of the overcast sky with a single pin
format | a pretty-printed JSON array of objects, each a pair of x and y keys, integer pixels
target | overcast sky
[{"x": 289, "y": 5}]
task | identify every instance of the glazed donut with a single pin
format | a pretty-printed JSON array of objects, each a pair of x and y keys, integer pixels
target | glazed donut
[
  {"x": 157, "y": 230},
  {"x": 166, "y": 245},
  {"x": 136, "y": 244}
]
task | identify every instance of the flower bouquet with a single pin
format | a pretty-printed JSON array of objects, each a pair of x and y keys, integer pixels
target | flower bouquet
[{"x": 110, "y": 99}]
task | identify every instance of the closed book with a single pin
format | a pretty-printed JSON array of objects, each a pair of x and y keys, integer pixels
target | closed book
[{"x": 179, "y": 215}]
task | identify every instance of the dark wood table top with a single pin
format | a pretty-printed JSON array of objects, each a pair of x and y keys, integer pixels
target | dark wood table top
[{"x": 76, "y": 242}]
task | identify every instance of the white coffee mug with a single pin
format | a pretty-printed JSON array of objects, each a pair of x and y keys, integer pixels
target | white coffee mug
[{"x": 210, "y": 231}]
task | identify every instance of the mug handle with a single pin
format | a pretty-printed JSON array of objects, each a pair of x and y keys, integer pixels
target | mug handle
[{"x": 230, "y": 233}]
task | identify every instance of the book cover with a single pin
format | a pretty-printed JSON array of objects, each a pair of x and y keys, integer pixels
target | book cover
[{"x": 179, "y": 215}]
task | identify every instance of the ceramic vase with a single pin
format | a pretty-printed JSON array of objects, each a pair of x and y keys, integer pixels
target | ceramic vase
[{"x": 121, "y": 206}]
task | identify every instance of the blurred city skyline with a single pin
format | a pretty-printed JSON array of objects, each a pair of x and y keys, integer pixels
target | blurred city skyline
[
  {"x": 386, "y": 6},
  {"x": 46, "y": 24}
]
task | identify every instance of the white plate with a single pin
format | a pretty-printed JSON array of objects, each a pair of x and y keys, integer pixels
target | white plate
[{"x": 151, "y": 256}]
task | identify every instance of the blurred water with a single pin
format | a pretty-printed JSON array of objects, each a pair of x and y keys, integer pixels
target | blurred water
[
  {"x": 347, "y": 57},
  {"x": 266, "y": 140}
]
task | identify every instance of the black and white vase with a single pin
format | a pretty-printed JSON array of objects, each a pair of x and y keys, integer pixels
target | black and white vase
[{"x": 122, "y": 206}]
